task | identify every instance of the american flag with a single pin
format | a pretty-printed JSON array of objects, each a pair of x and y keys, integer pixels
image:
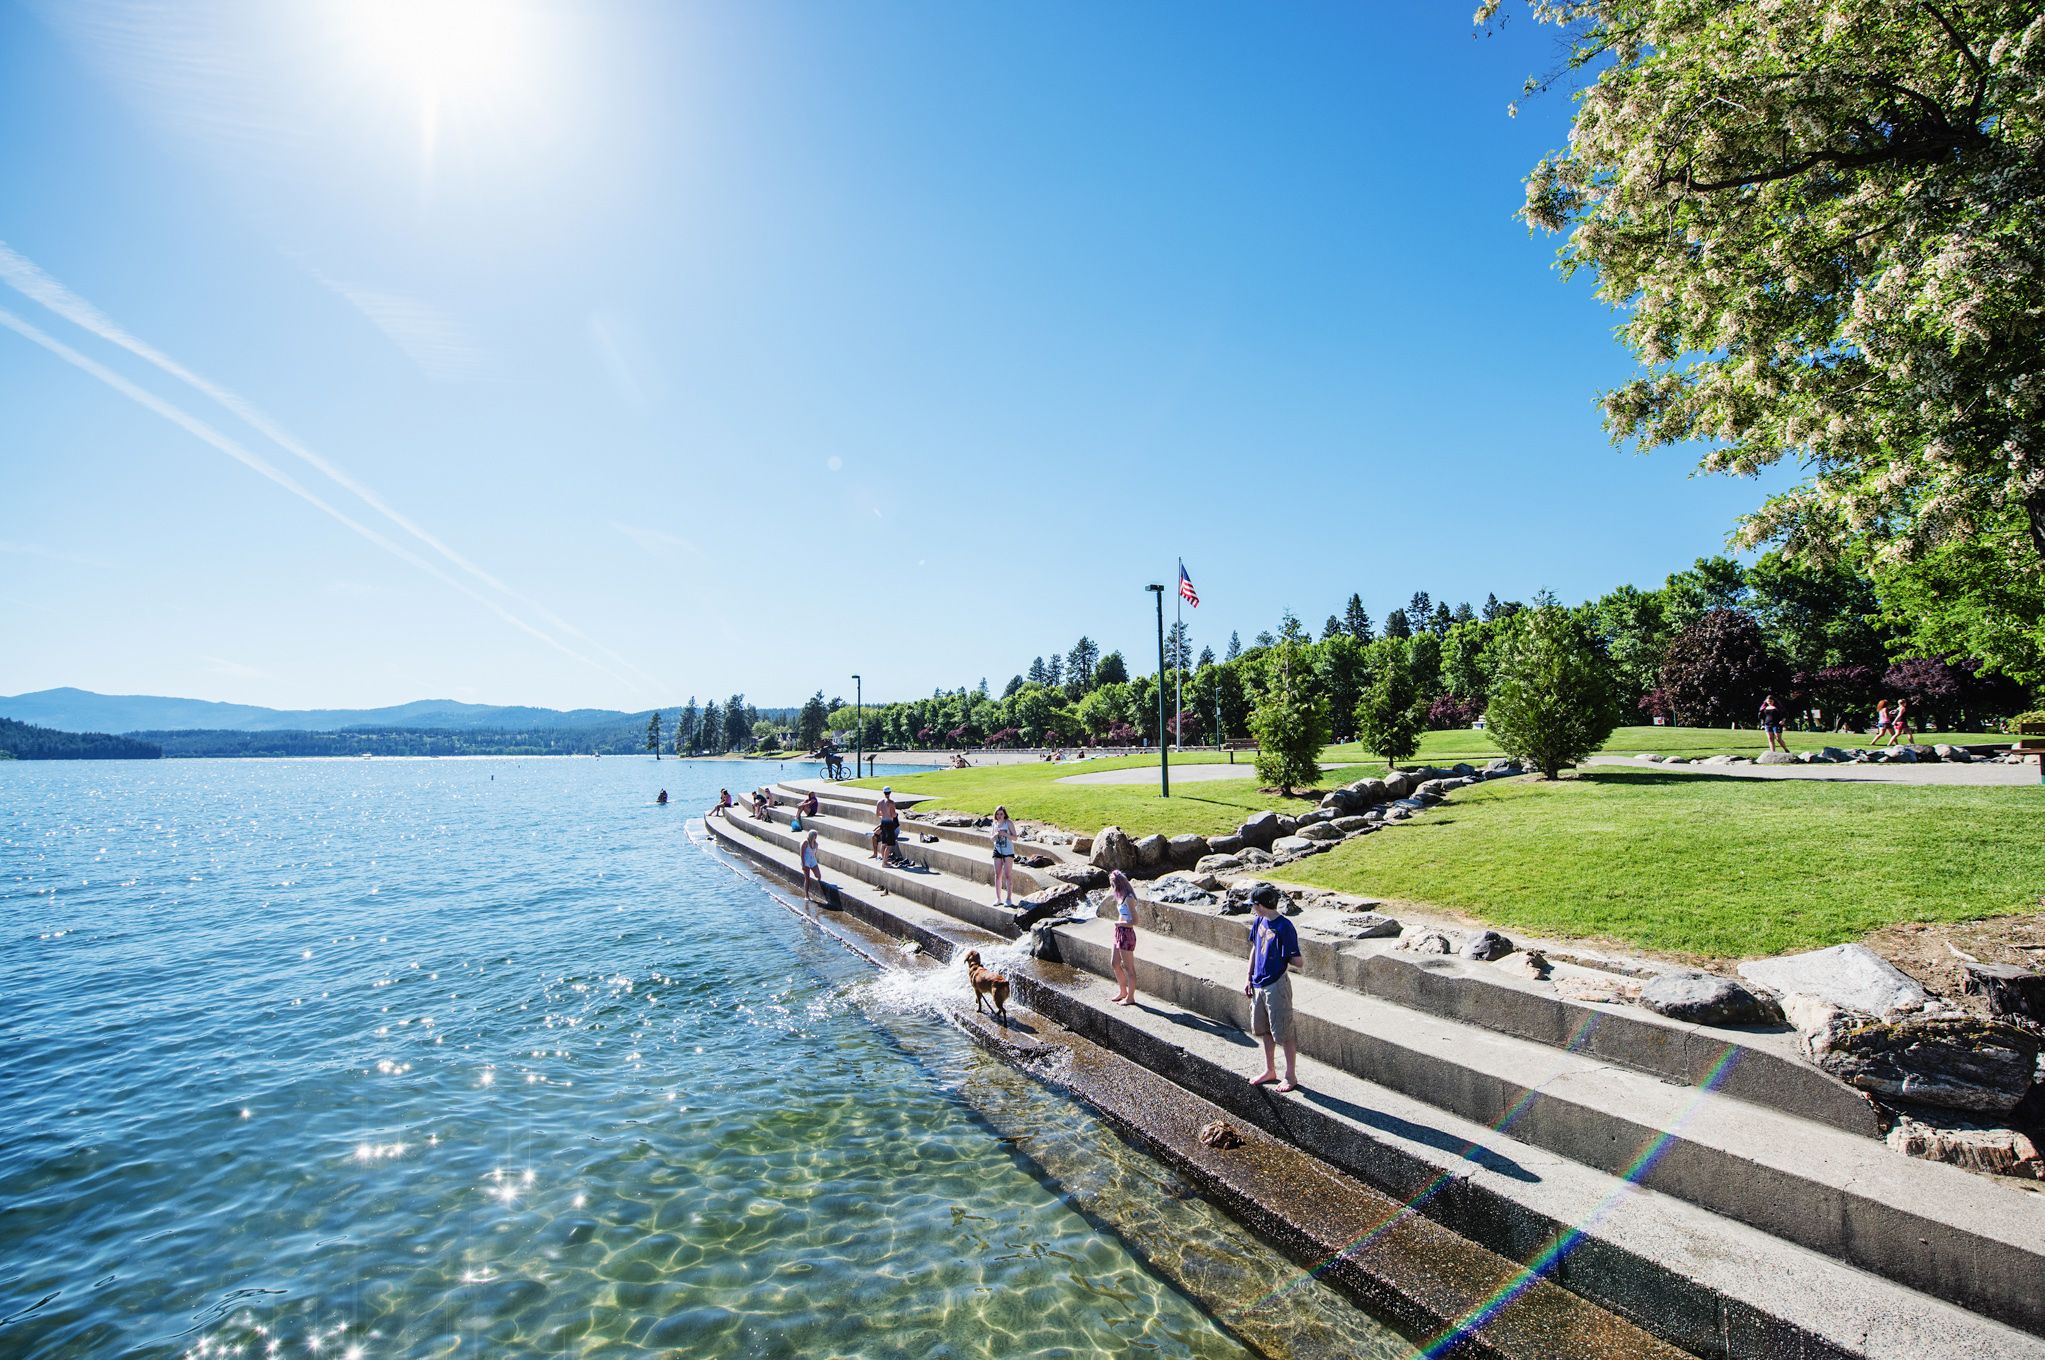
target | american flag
[{"x": 1186, "y": 591}]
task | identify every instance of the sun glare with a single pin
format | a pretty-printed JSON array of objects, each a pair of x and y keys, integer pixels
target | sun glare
[{"x": 449, "y": 50}]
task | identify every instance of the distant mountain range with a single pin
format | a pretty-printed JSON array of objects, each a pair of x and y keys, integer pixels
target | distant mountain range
[{"x": 80, "y": 710}]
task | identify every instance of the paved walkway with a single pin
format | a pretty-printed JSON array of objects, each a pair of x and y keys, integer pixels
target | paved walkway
[
  {"x": 1188, "y": 774},
  {"x": 1978, "y": 774}
]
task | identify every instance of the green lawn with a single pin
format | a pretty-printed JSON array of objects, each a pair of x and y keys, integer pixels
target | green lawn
[
  {"x": 1711, "y": 867},
  {"x": 1032, "y": 793},
  {"x": 1445, "y": 748}
]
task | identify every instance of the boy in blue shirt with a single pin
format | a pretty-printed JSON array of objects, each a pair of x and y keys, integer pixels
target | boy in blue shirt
[{"x": 1274, "y": 948}]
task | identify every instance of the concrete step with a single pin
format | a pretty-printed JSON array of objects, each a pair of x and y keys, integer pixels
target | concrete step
[
  {"x": 860, "y": 810},
  {"x": 1630, "y": 1242}
]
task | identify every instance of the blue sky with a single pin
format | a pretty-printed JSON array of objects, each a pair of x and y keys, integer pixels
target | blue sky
[{"x": 601, "y": 354}]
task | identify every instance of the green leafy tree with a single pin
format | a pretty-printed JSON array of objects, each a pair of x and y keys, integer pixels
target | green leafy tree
[
  {"x": 1554, "y": 699},
  {"x": 1111, "y": 669},
  {"x": 1391, "y": 714},
  {"x": 653, "y": 734},
  {"x": 1287, "y": 722},
  {"x": 1340, "y": 674},
  {"x": 1815, "y": 615},
  {"x": 1466, "y": 662},
  {"x": 1968, "y": 598},
  {"x": 1636, "y": 635},
  {"x": 1824, "y": 221}
]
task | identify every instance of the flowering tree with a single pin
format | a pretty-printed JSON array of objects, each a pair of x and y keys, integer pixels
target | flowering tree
[{"x": 1825, "y": 222}]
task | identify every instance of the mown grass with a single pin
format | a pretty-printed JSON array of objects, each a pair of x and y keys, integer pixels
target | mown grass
[
  {"x": 1706, "y": 866},
  {"x": 1033, "y": 793},
  {"x": 1445, "y": 748}
]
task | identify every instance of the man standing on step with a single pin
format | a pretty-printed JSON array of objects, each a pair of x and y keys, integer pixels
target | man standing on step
[
  {"x": 1274, "y": 949},
  {"x": 888, "y": 833}
]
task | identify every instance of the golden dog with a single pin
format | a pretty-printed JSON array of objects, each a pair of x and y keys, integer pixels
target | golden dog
[{"x": 988, "y": 985}]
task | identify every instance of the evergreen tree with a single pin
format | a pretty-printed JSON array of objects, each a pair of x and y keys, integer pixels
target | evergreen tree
[
  {"x": 1391, "y": 713},
  {"x": 1397, "y": 626},
  {"x": 1554, "y": 699},
  {"x": 1206, "y": 658},
  {"x": 810, "y": 723},
  {"x": 711, "y": 736},
  {"x": 1355, "y": 620},
  {"x": 653, "y": 734},
  {"x": 1491, "y": 607},
  {"x": 686, "y": 728},
  {"x": 1463, "y": 614},
  {"x": 1332, "y": 628},
  {"x": 1111, "y": 669},
  {"x": 738, "y": 724},
  {"x": 982, "y": 690},
  {"x": 1440, "y": 621},
  {"x": 1015, "y": 682},
  {"x": 1178, "y": 646},
  {"x": 1079, "y": 662},
  {"x": 1036, "y": 671},
  {"x": 1290, "y": 629},
  {"x": 1265, "y": 640},
  {"x": 1054, "y": 671},
  {"x": 1419, "y": 608},
  {"x": 1287, "y": 721},
  {"x": 1235, "y": 647}
]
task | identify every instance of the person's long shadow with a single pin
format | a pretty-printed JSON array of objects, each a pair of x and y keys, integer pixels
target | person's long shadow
[{"x": 1421, "y": 1133}]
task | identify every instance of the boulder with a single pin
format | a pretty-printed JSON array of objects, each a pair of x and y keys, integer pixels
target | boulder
[
  {"x": 1151, "y": 852},
  {"x": 1486, "y": 945},
  {"x": 1399, "y": 783},
  {"x": 1955, "y": 754},
  {"x": 1502, "y": 767},
  {"x": 1084, "y": 876},
  {"x": 1218, "y": 864},
  {"x": 1987, "y": 1148},
  {"x": 1186, "y": 851},
  {"x": 1259, "y": 830},
  {"x": 1365, "y": 925},
  {"x": 1294, "y": 847},
  {"x": 1349, "y": 826},
  {"x": 1462, "y": 770},
  {"x": 1319, "y": 831},
  {"x": 1254, "y": 858},
  {"x": 1206, "y": 881},
  {"x": 1703, "y": 999},
  {"x": 1833, "y": 755},
  {"x": 1241, "y": 895},
  {"x": 1035, "y": 861},
  {"x": 1927, "y": 754},
  {"x": 1369, "y": 792},
  {"x": 1902, "y": 755},
  {"x": 1114, "y": 850},
  {"x": 1178, "y": 891},
  {"x": 1339, "y": 801},
  {"x": 1849, "y": 976},
  {"x": 1225, "y": 845},
  {"x": 1320, "y": 814},
  {"x": 2009, "y": 990},
  {"x": 1527, "y": 963},
  {"x": 1428, "y": 942},
  {"x": 1955, "y": 1061},
  {"x": 1287, "y": 825},
  {"x": 1060, "y": 899},
  {"x": 1677, "y": 760},
  {"x": 1775, "y": 758}
]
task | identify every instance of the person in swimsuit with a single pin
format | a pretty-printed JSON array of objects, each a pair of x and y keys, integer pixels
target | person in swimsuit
[
  {"x": 810, "y": 868},
  {"x": 1881, "y": 722},
  {"x": 888, "y": 832},
  {"x": 1004, "y": 859},
  {"x": 1124, "y": 958},
  {"x": 1899, "y": 723}
]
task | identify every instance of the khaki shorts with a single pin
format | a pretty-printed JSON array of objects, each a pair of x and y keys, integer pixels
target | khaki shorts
[{"x": 1271, "y": 1009}]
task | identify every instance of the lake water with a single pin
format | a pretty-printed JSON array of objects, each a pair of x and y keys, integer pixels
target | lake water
[{"x": 487, "y": 1057}]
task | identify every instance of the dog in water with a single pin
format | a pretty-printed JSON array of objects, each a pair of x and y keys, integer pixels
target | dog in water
[{"x": 988, "y": 985}]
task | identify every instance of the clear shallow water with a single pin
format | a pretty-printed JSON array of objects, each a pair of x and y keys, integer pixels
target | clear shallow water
[{"x": 439, "y": 1058}]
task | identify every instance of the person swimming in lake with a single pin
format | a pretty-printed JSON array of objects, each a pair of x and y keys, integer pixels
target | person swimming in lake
[{"x": 662, "y": 798}]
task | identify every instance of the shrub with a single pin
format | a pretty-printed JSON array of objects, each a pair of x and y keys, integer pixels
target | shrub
[
  {"x": 1554, "y": 698},
  {"x": 1716, "y": 669},
  {"x": 1447, "y": 712}
]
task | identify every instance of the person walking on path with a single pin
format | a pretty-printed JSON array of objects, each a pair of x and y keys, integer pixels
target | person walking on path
[
  {"x": 1274, "y": 951},
  {"x": 1771, "y": 723},
  {"x": 1899, "y": 723},
  {"x": 1004, "y": 859},
  {"x": 1124, "y": 958},
  {"x": 810, "y": 868},
  {"x": 1881, "y": 721}
]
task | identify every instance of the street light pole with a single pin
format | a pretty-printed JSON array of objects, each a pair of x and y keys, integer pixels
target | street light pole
[
  {"x": 1164, "y": 761},
  {"x": 858, "y": 729}
]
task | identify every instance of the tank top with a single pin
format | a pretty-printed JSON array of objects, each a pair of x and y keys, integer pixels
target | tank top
[
  {"x": 1125, "y": 909},
  {"x": 1004, "y": 838}
]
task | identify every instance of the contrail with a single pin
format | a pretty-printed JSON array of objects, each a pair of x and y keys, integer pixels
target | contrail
[
  {"x": 199, "y": 429},
  {"x": 27, "y": 278}
]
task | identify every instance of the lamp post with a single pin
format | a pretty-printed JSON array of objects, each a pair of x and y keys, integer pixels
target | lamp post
[
  {"x": 858, "y": 728},
  {"x": 1164, "y": 762}
]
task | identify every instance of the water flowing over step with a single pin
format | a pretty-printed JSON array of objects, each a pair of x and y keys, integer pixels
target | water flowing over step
[{"x": 1707, "y": 1218}]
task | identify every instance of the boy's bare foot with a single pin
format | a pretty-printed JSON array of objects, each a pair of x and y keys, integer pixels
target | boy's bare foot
[
  {"x": 1286, "y": 1086},
  {"x": 1264, "y": 1080}
]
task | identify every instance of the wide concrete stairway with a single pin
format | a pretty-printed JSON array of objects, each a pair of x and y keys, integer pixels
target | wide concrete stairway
[{"x": 1705, "y": 1183}]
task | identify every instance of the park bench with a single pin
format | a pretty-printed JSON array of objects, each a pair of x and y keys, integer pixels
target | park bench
[
  {"x": 1234, "y": 746},
  {"x": 2031, "y": 742}
]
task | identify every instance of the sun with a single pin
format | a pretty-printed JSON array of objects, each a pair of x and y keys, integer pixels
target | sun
[{"x": 457, "y": 65}]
